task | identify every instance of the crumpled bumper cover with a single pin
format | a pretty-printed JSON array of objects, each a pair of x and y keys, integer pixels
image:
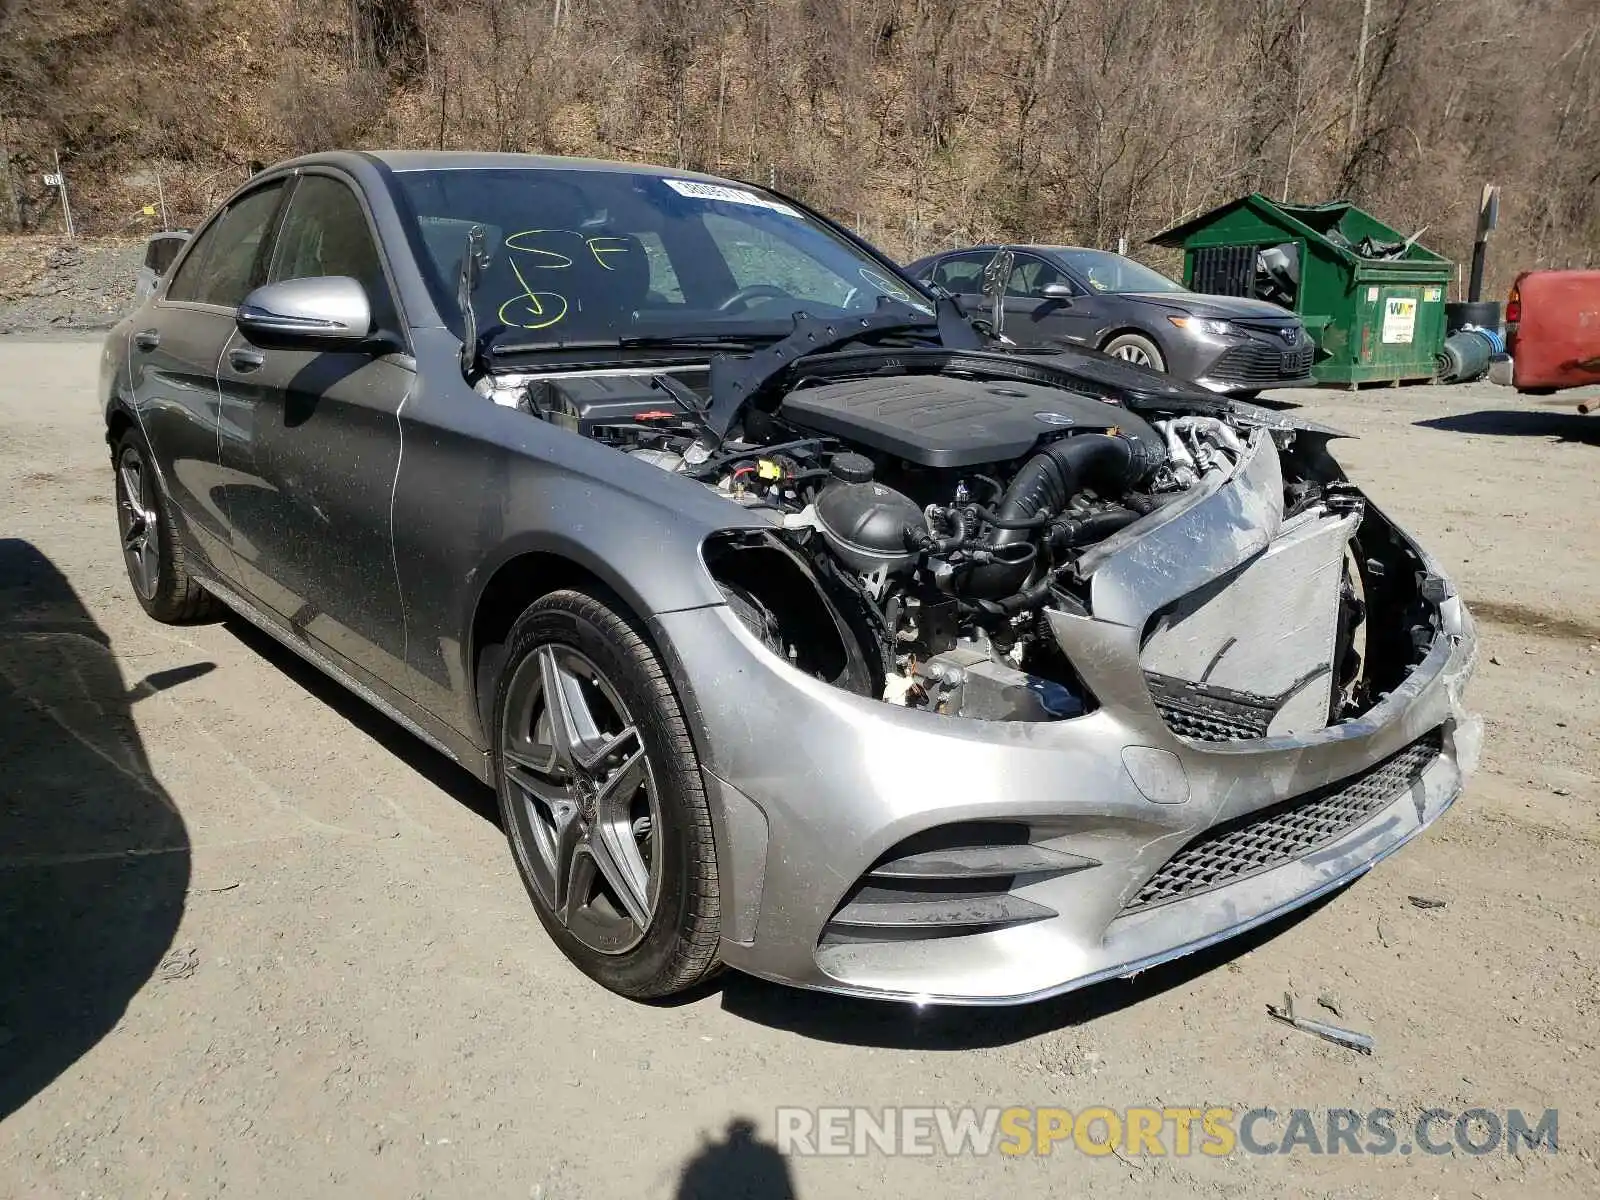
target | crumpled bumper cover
[{"x": 810, "y": 786}]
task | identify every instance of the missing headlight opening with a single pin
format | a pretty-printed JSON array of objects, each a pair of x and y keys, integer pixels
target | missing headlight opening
[{"x": 933, "y": 509}]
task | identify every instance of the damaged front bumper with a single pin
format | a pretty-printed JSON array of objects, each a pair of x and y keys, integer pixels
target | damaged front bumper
[{"x": 1045, "y": 856}]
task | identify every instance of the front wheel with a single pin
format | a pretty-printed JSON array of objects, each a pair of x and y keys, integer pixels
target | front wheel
[
  {"x": 1138, "y": 350},
  {"x": 602, "y": 800}
]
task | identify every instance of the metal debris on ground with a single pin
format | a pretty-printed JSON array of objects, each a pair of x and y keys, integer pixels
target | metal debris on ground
[
  {"x": 178, "y": 964},
  {"x": 1425, "y": 902},
  {"x": 1361, "y": 1043}
]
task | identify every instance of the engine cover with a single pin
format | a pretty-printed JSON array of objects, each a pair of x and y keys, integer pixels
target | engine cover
[{"x": 940, "y": 421}]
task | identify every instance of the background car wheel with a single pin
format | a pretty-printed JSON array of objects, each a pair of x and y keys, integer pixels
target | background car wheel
[
  {"x": 1137, "y": 349},
  {"x": 602, "y": 800},
  {"x": 151, "y": 548}
]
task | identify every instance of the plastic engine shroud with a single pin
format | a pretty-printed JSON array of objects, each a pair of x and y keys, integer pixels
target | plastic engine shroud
[{"x": 939, "y": 421}]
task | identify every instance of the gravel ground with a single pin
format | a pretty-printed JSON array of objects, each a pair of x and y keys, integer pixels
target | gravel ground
[
  {"x": 258, "y": 942},
  {"x": 50, "y": 285}
]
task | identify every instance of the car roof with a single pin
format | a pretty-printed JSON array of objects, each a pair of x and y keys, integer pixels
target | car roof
[
  {"x": 1034, "y": 247},
  {"x": 403, "y": 161}
]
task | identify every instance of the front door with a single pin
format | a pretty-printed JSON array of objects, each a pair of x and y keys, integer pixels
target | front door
[
  {"x": 173, "y": 363},
  {"x": 311, "y": 443}
]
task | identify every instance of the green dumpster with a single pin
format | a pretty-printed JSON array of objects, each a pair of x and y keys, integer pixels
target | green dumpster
[{"x": 1372, "y": 300}]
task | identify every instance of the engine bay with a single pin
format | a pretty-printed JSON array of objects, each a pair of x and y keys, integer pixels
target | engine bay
[{"x": 944, "y": 509}]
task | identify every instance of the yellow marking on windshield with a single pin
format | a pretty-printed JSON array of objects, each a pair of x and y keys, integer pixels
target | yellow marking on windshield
[
  {"x": 600, "y": 251},
  {"x": 544, "y": 308},
  {"x": 535, "y": 309},
  {"x": 885, "y": 285},
  {"x": 518, "y": 241}
]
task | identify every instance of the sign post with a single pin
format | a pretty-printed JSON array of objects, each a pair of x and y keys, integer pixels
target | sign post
[
  {"x": 58, "y": 181},
  {"x": 1488, "y": 218}
]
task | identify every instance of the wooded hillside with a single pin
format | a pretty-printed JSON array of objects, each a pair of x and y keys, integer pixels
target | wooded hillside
[{"x": 921, "y": 122}]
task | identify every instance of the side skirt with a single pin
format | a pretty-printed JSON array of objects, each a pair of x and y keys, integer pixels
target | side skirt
[{"x": 443, "y": 739}]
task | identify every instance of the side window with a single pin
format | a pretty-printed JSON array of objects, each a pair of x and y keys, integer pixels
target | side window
[
  {"x": 221, "y": 267},
  {"x": 325, "y": 232},
  {"x": 1030, "y": 276},
  {"x": 962, "y": 273}
]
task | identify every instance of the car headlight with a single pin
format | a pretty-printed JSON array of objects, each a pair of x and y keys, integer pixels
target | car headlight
[{"x": 1203, "y": 325}]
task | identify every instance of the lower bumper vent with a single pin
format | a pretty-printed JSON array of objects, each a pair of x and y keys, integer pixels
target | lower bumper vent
[
  {"x": 1263, "y": 840},
  {"x": 953, "y": 880}
]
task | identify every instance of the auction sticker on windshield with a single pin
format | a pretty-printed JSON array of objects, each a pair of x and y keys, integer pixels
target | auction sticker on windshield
[{"x": 715, "y": 191}]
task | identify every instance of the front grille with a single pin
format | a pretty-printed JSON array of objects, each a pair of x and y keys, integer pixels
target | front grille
[
  {"x": 1259, "y": 362},
  {"x": 1264, "y": 840}
]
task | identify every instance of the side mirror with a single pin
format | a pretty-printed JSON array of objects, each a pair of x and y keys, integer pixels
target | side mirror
[
  {"x": 326, "y": 313},
  {"x": 1061, "y": 292}
]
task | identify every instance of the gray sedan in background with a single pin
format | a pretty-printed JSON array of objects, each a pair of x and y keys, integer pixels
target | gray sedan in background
[
  {"x": 1096, "y": 298},
  {"x": 797, "y": 625}
]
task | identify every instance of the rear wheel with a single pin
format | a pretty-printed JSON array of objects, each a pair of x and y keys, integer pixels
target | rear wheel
[
  {"x": 602, "y": 800},
  {"x": 1137, "y": 349},
  {"x": 151, "y": 548}
]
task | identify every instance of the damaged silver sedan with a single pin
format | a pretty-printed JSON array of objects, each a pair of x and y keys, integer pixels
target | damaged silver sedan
[{"x": 800, "y": 625}]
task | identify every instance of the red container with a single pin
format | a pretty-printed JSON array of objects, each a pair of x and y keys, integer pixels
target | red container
[{"x": 1553, "y": 330}]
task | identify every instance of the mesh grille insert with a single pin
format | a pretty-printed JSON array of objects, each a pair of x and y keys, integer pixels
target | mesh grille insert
[
  {"x": 1257, "y": 363},
  {"x": 1209, "y": 714},
  {"x": 1267, "y": 839}
]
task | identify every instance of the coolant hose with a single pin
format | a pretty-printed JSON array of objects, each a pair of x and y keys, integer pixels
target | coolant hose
[{"x": 1046, "y": 483}]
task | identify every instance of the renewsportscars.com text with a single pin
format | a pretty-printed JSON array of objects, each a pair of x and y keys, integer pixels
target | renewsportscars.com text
[{"x": 1169, "y": 1130}]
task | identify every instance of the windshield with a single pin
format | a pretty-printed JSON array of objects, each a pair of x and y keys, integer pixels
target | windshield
[
  {"x": 1108, "y": 272},
  {"x": 589, "y": 254}
]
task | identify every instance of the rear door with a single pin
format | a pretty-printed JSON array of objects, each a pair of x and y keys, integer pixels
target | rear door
[
  {"x": 962, "y": 276},
  {"x": 173, "y": 355},
  {"x": 311, "y": 443}
]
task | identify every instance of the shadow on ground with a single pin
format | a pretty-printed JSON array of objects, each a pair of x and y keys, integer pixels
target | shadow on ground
[
  {"x": 1521, "y": 422},
  {"x": 94, "y": 857},
  {"x": 738, "y": 1166},
  {"x": 449, "y": 777},
  {"x": 901, "y": 1026}
]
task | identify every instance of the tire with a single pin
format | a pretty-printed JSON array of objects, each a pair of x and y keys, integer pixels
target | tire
[
  {"x": 1137, "y": 349},
  {"x": 610, "y": 831},
  {"x": 152, "y": 551}
]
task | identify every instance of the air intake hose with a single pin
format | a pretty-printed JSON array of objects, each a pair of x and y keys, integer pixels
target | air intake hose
[{"x": 1048, "y": 481}]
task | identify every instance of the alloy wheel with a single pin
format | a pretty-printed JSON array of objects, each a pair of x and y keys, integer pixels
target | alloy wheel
[
  {"x": 137, "y": 521},
  {"x": 1133, "y": 354},
  {"x": 584, "y": 798}
]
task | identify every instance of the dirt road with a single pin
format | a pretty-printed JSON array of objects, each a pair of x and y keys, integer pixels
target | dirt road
[{"x": 256, "y": 942}]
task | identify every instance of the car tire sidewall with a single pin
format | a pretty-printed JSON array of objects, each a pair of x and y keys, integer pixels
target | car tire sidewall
[
  {"x": 670, "y": 953},
  {"x": 163, "y": 601},
  {"x": 1158, "y": 361}
]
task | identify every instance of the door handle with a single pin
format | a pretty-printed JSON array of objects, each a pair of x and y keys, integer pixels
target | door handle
[
  {"x": 246, "y": 360},
  {"x": 147, "y": 339}
]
